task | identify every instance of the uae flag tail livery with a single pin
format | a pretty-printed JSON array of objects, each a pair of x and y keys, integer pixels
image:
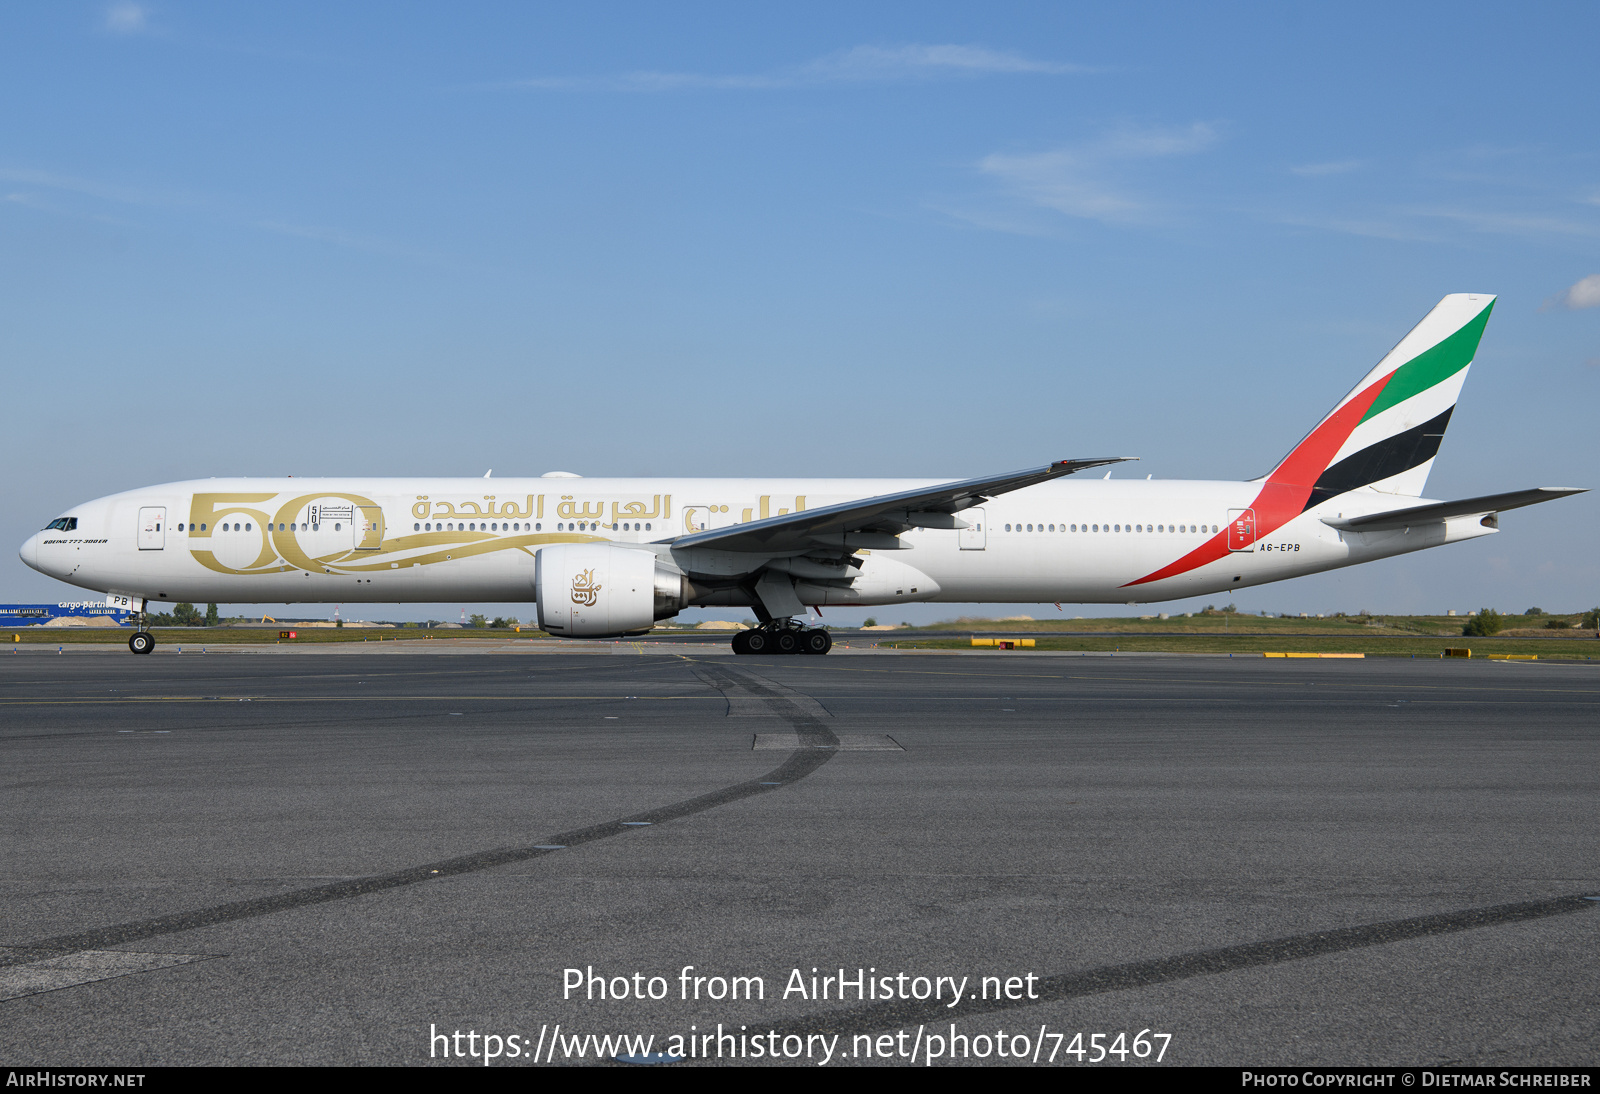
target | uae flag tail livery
[
  {"x": 1386, "y": 432},
  {"x": 1380, "y": 439}
]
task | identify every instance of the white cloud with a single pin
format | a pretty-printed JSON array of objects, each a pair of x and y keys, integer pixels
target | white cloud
[
  {"x": 865, "y": 63},
  {"x": 1076, "y": 181},
  {"x": 1513, "y": 224},
  {"x": 1317, "y": 170},
  {"x": 1378, "y": 227},
  {"x": 859, "y": 65},
  {"x": 1583, "y": 294},
  {"x": 338, "y": 237},
  {"x": 88, "y": 187},
  {"x": 126, "y": 18}
]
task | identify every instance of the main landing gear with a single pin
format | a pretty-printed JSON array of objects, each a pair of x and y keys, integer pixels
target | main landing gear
[
  {"x": 783, "y": 636},
  {"x": 141, "y": 640}
]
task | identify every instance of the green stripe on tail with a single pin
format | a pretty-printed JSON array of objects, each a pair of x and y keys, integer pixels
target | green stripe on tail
[{"x": 1432, "y": 365}]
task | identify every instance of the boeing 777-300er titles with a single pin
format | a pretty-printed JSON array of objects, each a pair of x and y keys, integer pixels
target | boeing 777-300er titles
[{"x": 610, "y": 557}]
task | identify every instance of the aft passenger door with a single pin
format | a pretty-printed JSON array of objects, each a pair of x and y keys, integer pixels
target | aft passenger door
[
  {"x": 973, "y": 537},
  {"x": 152, "y": 528},
  {"x": 1241, "y": 529}
]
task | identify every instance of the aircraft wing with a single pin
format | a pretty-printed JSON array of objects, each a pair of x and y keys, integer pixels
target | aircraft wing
[
  {"x": 1445, "y": 510},
  {"x": 875, "y": 522}
]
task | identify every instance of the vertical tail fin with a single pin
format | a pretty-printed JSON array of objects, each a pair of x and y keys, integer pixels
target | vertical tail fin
[
  {"x": 1386, "y": 432},
  {"x": 1382, "y": 435}
]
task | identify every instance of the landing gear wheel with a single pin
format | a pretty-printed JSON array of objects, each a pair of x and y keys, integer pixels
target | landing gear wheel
[
  {"x": 741, "y": 642},
  {"x": 785, "y": 642},
  {"x": 141, "y": 642},
  {"x": 816, "y": 641},
  {"x": 756, "y": 642}
]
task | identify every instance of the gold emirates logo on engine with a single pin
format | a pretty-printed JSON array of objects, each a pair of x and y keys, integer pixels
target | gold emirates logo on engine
[{"x": 584, "y": 590}]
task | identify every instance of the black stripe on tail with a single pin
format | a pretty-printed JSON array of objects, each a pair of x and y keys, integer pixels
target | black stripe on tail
[{"x": 1376, "y": 462}]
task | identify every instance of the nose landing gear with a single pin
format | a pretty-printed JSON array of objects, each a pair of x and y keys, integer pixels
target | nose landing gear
[
  {"x": 783, "y": 636},
  {"x": 141, "y": 640}
]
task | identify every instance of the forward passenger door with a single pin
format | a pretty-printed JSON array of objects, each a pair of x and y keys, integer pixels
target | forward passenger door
[{"x": 152, "y": 528}]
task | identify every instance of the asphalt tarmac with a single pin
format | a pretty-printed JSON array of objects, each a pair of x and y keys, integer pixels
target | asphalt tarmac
[{"x": 304, "y": 858}]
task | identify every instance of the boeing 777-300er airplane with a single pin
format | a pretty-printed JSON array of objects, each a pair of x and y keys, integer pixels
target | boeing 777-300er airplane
[{"x": 609, "y": 557}]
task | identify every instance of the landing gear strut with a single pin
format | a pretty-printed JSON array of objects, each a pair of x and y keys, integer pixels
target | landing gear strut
[
  {"x": 783, "y": 636},
  {"x": 141, "y": 640}
]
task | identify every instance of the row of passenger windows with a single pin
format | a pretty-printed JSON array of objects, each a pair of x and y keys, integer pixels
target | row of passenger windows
[
  {"x": 1111, "y": 528},
  {"x": 248, "y": 527},
  {"x": 562, "y": 526}
]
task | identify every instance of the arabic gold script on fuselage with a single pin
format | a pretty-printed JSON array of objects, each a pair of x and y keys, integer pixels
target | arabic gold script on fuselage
[{"x": 488, "y": 506}]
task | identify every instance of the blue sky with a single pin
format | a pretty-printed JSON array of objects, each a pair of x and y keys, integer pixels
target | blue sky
[{"x": 913, "y": 239}]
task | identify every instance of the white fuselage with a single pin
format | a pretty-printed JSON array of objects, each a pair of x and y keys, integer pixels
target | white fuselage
[{"x": 431, "y": 540}]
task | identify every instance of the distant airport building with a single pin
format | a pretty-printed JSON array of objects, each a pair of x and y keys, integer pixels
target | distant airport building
[{"x": 27, "y": 615}]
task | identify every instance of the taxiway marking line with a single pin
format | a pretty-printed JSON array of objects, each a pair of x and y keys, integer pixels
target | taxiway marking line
[
  {"x": 1165, "y": 970},
  {"x": 842, "y": 696},
  {"x": 337, "y": 699}
]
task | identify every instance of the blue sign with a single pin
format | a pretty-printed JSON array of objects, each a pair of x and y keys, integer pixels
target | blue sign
[{"x": 25, "y": 615}]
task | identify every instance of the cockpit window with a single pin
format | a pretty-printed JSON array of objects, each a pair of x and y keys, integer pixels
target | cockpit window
[{"x": 62, "y": 524}]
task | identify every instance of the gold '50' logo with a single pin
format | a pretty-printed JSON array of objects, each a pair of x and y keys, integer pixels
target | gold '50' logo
[{"x": 584, "y": 589}]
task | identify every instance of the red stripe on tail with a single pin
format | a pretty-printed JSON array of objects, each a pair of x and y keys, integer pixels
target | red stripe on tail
[{"x": 1283, "y": 496}]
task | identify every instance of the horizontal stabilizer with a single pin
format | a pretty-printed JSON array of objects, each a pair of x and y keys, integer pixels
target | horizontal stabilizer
[
  {"x": 886, "y": 515},
  {"x": 1448, "y": 510}
]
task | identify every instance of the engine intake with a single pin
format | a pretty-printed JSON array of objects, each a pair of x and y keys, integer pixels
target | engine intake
[{"x": 595, "y": 590}]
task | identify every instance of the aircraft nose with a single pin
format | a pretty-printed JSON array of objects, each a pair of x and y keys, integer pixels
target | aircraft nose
[{"x": 30, "y": 551}]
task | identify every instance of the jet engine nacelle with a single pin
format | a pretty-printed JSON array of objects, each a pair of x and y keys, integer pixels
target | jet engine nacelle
[{"x": 591, "y": 590}]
